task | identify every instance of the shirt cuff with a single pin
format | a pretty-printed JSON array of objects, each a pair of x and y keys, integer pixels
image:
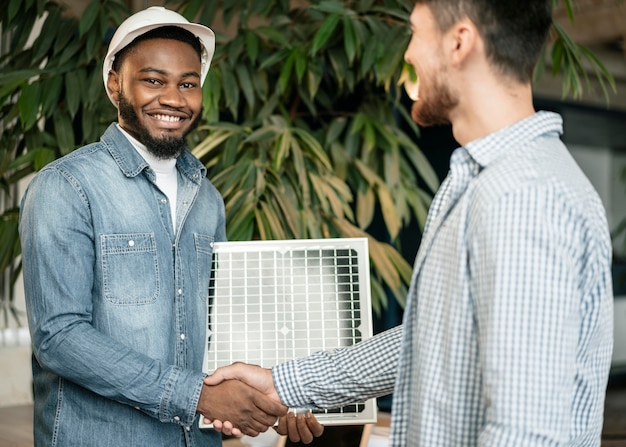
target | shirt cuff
[
  {"x": 285, "y": 376},
  {"x": 180, "y": 397}
]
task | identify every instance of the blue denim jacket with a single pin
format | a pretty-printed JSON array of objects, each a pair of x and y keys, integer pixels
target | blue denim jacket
[{"x": 117, "y": 299}]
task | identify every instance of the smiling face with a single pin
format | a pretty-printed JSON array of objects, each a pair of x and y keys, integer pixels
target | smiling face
[
  {"x": 433, "y": 95},
  {"x": 157, "y": 88}
]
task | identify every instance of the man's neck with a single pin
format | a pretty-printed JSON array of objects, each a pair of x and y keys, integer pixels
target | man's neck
[{"x": 486, "y": 107}]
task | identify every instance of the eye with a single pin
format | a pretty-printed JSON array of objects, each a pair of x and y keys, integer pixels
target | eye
[
  {"x": 188, "y": 85},
  {"x": 153, "y": 81}
]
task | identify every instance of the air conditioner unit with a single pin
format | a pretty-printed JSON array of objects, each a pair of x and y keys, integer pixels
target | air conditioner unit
[{"x": 273, "y": 301}]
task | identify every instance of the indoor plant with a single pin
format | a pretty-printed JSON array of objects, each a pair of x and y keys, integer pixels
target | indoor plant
[{"x": 305, "y": 131}]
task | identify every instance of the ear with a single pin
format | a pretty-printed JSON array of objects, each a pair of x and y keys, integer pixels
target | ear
[
  {"x": 463, "y": 40},
  {"x": 114, "y": 85}
]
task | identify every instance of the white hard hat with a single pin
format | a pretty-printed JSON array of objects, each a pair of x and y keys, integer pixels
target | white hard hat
[{"x": 151, "y": 18}]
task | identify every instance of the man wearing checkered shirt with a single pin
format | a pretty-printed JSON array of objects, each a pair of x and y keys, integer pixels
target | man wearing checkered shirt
[{"x": 507, "y": 334}]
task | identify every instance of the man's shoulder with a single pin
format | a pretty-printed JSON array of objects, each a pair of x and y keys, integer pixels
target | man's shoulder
[
  {"x": 85, "y": 155},
  {"x": 91, "y": 153}
]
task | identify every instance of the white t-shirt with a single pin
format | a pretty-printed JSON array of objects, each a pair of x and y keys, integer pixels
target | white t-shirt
[{"x": 165, "y": 171}]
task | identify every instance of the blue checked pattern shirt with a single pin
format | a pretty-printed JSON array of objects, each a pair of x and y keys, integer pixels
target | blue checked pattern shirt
[{"x": 507, "y": 334}]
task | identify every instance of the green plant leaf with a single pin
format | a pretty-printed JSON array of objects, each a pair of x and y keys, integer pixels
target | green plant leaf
[
  {"x": 29, "y": 104},
  {"x": 264, "y": 133},
  {"x": 383, "y": 265},
  {"x": 323, "y": 34},
  {"x": 304, "y": 132},
  {"x": 365, "y": 206},
  {"x": 21, "y": 30},
  {"x": 89, "y": 127},
  {"x": 241, "y": 223},
  {"x": 275, "y": 58},
  {"x": 285, "y": 73},
  {"x": 274, "y": 35},
  {"x": 117, "y": 12},
  {"x": 314, "y": 147},
  {"x": 43, "y": 156},
  {"x": 73, "y": 91},
  {"x": 300, "y": 63},
  {"x": 282, "y": 148},
  {"x": 89, "y": 17},
  {"x": 62, "y": 37},
  {"x": 64, "y": 132},
  {"x": 388, "y": 209},
  {"x": 270, "y": 222},
  {"x": 51, "y": 93},
  {"x": 336, "y": 128},
  {"x": 349, "y": 39},
  {"x": 330, "y": 6},
  {"x": 422, "y": 165},
  {"x": 208, "y": 12},
  {"x": 18, "y": 76},
  {"x": 287, "y": 208},
  {"x": 69, "y": 51},
  {"x": 50, "y": 31},
  {"x": 14, "y": 8},
  {"x": 9, "y": 89},
  {"x": 379, "y": 297},
  {"x": 95, "y": 91},
  {"x": 245, "y": 81},
  {"x": 230, "y": 89},
  {"x": 211, "y": 142},
  {"x": 336, "y": 202},
  {"x": 252, "y": 45},
  {"x": 314, "y": 78},
  {"x": 93, "y": 44}
]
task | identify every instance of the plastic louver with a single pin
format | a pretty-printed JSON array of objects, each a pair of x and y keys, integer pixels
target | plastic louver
[{"x": 272, "y": 301}]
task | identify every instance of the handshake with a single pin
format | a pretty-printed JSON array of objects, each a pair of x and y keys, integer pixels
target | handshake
[{"x": 241, "y": 399}]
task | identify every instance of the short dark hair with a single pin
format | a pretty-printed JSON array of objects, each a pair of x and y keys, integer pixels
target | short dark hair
[
  {"x": 164, "y": 32},
  {"x": 514, "y": 31}
]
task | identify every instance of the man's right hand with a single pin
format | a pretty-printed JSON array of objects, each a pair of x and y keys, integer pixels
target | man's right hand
[
  {"x": 300, "y": 428},
  {"x": 254, "y": 375},
  {"x": 247, "y": 408}
]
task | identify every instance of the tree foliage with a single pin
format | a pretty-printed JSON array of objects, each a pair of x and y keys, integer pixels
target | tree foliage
[{"x": 306, "y": 132}]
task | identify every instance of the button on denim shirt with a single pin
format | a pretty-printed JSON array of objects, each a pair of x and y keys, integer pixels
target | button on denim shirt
[{"x": 117, "y": 298}]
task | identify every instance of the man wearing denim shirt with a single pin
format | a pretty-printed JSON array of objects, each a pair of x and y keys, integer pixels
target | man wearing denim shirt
[{"x": 117, "y": 240}]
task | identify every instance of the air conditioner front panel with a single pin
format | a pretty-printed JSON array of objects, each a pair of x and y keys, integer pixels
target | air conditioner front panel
[{"x": 273, "y": 301}]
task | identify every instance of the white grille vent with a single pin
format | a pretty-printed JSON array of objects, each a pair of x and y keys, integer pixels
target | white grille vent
[{"x": 272, "y": 301}]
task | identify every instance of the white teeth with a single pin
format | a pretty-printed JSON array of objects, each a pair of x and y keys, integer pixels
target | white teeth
[
  {"x": 168, "y": 118},
  {"x": 412, "y": 88}
]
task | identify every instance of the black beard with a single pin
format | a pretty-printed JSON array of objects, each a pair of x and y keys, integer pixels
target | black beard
[{"x": 164, "y": 148}]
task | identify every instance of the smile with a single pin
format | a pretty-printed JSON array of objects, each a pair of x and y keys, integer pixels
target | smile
[
  {"x": 412, "y": 89},
  {"x": 168, "y": 118}
]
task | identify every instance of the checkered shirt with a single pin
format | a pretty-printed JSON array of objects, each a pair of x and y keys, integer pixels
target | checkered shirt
[{"x": 507, "y": 334}]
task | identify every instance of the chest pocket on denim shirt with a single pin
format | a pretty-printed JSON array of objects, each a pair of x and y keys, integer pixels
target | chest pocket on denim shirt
[
  {"x": 130, "y": 270},
  {"x": 204, "y": 253}
]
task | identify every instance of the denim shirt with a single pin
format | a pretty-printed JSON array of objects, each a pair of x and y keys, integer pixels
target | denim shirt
[{"x": 117, "y": 298}]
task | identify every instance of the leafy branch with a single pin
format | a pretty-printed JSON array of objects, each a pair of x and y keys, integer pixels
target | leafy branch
[{"x": 306, "y": 132}]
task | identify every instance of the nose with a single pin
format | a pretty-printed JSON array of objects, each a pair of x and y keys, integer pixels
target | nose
[{"x": 172, "y": 96}]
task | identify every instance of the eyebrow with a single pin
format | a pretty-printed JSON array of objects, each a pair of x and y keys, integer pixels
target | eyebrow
[{"x": 188, "y": 74}]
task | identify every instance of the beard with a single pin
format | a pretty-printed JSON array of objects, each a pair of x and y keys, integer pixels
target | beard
[
  {"x": 165, "y": 147},
  {"x": 435, "y": 109}
]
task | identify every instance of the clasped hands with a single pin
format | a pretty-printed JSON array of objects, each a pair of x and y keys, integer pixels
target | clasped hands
[{"x": 241, "y": 399}]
